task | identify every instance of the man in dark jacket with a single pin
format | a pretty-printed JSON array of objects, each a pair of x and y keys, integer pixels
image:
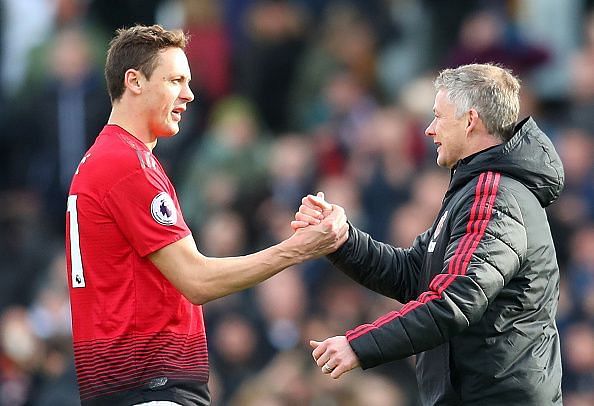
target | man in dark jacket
[{"x": 481, "y": 286}]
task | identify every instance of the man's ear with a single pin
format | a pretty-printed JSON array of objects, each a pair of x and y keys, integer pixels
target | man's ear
[
  {"x": 133, "y": 80},
  {"x": 472, "y": 120}
]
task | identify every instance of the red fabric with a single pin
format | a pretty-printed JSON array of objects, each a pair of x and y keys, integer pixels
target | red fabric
[
  {"x": 209, "y": 56},
  {"x": 150, "y": 327}
]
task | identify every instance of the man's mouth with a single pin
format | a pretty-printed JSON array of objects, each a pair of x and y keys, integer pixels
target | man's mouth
[{"x": 177, "y": 112}]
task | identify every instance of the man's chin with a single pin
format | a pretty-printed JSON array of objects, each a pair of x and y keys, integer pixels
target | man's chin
[
  {"x": 169, "y": 131},
  {"x": 442, "y": 164}
]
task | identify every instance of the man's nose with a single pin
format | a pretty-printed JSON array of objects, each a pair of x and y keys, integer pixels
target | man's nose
[
  {"x": 187, "y": 94},
  {"x": 430, "y": 130}
]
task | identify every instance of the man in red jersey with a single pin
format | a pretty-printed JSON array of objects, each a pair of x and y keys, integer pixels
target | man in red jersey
[{"x": 136, "y": 277}]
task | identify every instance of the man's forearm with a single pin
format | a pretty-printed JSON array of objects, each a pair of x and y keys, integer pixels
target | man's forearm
[
  {"x": 223, "y": 276},
  {"x": 202, "y": 279}
]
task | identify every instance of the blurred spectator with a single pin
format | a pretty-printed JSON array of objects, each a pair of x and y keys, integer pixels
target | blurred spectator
[
  {"x": 578, "y": 349},
  {"x": 3, "y": 85},
  {"x": 281, "y": 382},
  {"x": 228, "y": 167},
  {"x": 348, "y": 106},
  {"x": 266, "y": 65},
  {"x": 61, "y": 118},
  {"x": 292, "y": 169},
  {"x": 582, "y": 78},
  {"x": 19, "y": 36},
  {"x": 346, "y": 45},
  {"x": 416, "y": 99},
  {"x": 383, "y": 165},
  {"x": 50, "y": 310},
  {"x": 404, "y": 56},
  {"x": 533, "y": 21},
  {"x": 236, "y": 352},
  {"x": 114, "y": 14},
  {"x": 223, "y": 235},
  {"x": 375, "y": 390},
  {"x": 339, "y": 300},
  {"x": 343, "y": 189},
  {"x": 582, "y": 86},
  {"x": 282, "y": 303},
  {"x": 576, "y": 204},
  {"x": 581, "y": 273},
  {"x": 482, "y": 40},
  {"x": 208, "y": 51},
  {"x": 20, "y": 356},
  {"x": 24, "y": 247},
  {"x": 445, "y": 22},
  {"x": 406, "y": 223},
  {"x": 272, "y": 221},
  {"x": 49, "y": 315},
  {"x": 425, "y": 188}
]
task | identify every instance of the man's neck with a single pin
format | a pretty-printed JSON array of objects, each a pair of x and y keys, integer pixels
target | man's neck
[
  {"x": 480, "y": 140},
  {"x": 129, "y": 121},
  {"x": 470, "y": 157}
]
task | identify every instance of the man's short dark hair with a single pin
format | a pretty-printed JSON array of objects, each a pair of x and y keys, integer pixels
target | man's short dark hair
[{"x": 138, "y": 48}]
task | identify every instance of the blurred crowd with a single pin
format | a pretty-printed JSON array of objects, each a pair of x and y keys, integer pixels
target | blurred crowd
[{"x": 292, "y": 97}]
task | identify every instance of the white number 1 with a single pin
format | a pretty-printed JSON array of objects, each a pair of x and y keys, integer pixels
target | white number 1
[{"x": 78, "y": 277}]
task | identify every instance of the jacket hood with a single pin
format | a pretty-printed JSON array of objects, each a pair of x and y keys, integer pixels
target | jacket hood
[{"x": 529, "y": 157}]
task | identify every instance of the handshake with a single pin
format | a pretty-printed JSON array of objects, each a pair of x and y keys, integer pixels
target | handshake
[{"x": 320, "y": 227}]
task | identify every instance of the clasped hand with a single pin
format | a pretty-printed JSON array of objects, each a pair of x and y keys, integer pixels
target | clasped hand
[
  {"x": 322, "y": 226},
  {"x": 334, "y": 355}
]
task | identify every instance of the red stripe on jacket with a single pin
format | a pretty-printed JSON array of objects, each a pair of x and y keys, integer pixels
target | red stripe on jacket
[{"x": 480, "y": 214}]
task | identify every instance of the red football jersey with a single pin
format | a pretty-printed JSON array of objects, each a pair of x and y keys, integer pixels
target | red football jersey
[{"x": 136, "y": 337}]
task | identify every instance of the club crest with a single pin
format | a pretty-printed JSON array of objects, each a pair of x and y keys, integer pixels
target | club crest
[{"x": 438, "y": 228}]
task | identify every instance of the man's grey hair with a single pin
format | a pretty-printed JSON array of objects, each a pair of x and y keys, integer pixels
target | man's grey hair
[{"x": 493, "y": 91}]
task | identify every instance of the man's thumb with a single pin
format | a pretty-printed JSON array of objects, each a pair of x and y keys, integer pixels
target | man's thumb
[{"x": 314, "y": 344}]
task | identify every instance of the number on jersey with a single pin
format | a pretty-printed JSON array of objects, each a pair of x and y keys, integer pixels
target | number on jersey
[{"x": 77, "y": 274}]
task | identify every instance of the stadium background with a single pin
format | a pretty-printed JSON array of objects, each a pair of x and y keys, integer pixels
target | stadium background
[{"x": 292, "y": 97}]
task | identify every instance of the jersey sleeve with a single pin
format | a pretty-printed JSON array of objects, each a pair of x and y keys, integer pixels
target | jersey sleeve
[{"x": 146, "y": 210}]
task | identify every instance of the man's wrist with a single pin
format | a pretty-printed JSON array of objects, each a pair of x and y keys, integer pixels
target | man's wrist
[
  {"x": 334, "y": 256},
  {"x": 290, "y": 252}
]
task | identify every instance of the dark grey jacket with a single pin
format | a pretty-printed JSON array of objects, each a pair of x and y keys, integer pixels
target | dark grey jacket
[{"x": 481, "y": 285}]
